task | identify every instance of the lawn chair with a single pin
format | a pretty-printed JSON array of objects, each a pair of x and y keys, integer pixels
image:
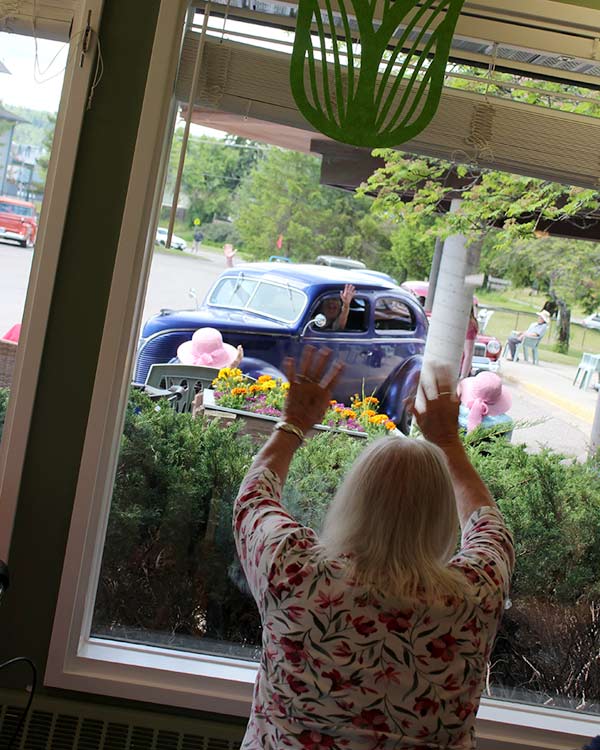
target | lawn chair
[
  {"x": 590, "y": 363},
  {"x": 185, "y": 380},
  {"x": 8, "y": 357},
  {"x": 527, "y": 346}
]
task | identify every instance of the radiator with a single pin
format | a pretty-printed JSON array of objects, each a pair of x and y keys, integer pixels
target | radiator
[{"x": 59, "y": 724}]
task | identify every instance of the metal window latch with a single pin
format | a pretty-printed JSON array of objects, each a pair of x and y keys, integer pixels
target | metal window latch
[{"x": 86, "y": 40}]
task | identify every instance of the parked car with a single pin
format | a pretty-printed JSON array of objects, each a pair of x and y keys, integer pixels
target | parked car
[
  {"x": 272, "y": 310},
  {"x": 592, "y": 321},
  {"x": 18, "y": 220},
  {"x": 335, "y": 261},
  {"x": 176, "y": 242},
  {"x": 486, "y": 354}
]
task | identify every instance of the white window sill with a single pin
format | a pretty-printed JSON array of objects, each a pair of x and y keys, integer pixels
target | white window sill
[{"x": 224, "y": 686}]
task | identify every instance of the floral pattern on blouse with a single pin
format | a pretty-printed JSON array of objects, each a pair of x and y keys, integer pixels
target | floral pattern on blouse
[{"x": 343, "y": 667}]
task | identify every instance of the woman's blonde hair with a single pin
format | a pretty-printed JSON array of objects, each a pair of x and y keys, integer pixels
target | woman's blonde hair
[{"x": 395, "y": 518}]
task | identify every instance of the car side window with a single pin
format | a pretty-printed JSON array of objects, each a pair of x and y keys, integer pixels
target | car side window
[
  {"x": 330, "y": 304},
  {"x": 392, "y": 315}
]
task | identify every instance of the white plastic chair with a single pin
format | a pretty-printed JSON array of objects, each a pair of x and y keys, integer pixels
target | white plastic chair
[{"x": 590, "y": 363}]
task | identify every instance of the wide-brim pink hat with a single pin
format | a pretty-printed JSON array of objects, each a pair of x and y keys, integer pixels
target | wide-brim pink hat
[
  {"x": 486, "y": 387},
  {"x": 206, "y": 348}
]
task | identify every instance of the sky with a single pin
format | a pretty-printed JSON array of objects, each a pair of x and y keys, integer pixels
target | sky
[
  {"x": 33, "y": 85},
  {"x": 38, "y": 85}
]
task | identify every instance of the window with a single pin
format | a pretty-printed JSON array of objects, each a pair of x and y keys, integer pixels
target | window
[
  {"x": 330, "y": 305},
  {"x": 16, "y": 208},
  {"x": 393, "y": 315},
  {"x": 261, "y": 297},
  {"x": 169, "y": 605}
]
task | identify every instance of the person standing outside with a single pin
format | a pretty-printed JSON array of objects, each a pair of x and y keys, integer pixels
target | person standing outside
[
  {"x": 229, "y": 251},
  {"x": 198, "y": 237},
  {"x": 376, "y": 634}
]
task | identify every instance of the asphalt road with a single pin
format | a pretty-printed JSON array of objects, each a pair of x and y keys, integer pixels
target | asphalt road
[{"x": 171, "y": 278}]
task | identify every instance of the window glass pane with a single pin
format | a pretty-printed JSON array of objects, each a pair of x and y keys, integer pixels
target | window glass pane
[
  {"x": 277, "y": 302},
  {"x": 170, "y": 575},
  {"x": 391, "y": 314},
  {"x": 28, "y": 109}
]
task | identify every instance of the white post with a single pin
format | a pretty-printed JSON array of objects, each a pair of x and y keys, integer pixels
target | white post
[
  {"x": 595, "y": 439},
  {"x": 451, "y": 305},
  {"x": 435, "y": 273}
]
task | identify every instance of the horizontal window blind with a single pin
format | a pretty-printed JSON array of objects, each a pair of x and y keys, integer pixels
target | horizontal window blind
[
  {"x": 46, "y": 19},
  {"x": 250, "y": 83}
]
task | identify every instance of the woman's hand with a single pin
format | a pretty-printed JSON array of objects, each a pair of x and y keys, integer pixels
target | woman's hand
[
  {"x": 438, "y": 418},
  {"x": 310, "y": 386}
]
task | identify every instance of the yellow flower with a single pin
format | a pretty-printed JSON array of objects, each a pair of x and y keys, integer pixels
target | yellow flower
[
  {"x": 369, "y": 412},
  {"x": 267, "y": 385},
  {"x": 379, "y": 419},
  {"x": 224, "y": 372},
  {"x": 285, "y": 386},
  {"x": 389, "y": 425},
  {"x": 356, "y": 404},
  {"x": 239, "y": 391},
  {"x": 264, "y": 378},
  {"x": 348, "y": 414}
]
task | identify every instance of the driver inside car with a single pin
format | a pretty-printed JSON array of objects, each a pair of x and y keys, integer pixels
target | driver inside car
[{"x": 336, "y": 309}]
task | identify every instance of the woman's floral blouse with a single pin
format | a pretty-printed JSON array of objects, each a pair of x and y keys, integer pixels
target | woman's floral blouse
[{"x": 342, "y": 668}]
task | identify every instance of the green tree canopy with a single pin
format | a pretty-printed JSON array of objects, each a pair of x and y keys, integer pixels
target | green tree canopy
[
  {"x": 504, "y": 210},
  {"x": 282, "y": 196}
]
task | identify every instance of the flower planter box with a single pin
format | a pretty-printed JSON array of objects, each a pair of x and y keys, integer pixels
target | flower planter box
[{"x": 260, "y": 424}]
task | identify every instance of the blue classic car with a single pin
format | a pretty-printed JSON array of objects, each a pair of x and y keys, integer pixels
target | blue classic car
[{"x": 273, "y": 310}]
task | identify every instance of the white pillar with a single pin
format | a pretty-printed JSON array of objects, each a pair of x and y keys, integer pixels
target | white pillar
[
  {"x": 451, "y": 305},
  {"x": 435, "y": 273}
]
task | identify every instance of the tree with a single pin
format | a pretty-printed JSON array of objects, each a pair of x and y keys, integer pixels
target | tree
[
  {"x": 282, "y": 196},
  {"x": 498, "y": 209},
  {"x": 213, "y": 170}
]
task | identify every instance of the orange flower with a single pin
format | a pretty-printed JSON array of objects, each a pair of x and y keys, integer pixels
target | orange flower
[
  {"x": 264, "y": 378},
  {"x": 379, "y": 419},
  {"x": 254, "y": 388},
  {"x": 369, "y": 412},
  {"x": 239, "y": 391},
  {"x": 333, "y": 403},
  {"x": 389, "y": 425},
  {"x": 348, "y": 414},
  {"x": 371, "y": 400}
]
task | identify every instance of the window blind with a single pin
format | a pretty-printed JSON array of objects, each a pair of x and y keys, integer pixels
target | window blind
[{"x": 46, "y": 19}]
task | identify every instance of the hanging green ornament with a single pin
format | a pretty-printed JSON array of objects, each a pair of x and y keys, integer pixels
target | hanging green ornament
[{"x": 379, "y": 85}]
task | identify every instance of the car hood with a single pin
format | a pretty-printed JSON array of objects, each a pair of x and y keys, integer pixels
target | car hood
[{"x": 213, "y": 317}]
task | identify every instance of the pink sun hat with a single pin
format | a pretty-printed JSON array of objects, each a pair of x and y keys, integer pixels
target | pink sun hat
[
  {"x": 485, "y": 396},
  {"x": 206, "y": 348}
]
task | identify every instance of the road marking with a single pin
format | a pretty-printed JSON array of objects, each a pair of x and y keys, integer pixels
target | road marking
[{"x": 581, "y": 412}]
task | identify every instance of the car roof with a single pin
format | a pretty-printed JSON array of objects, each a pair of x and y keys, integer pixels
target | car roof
[
  {"x": 15, "y": 201},
  {"x": 303, "y": 275}
]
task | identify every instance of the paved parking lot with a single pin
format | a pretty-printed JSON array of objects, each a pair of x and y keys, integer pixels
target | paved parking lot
[{"x": 551, "y": 421}]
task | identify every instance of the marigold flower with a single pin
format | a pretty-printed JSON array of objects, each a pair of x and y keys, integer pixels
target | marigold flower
[
  {"x": 389, "y": 425},
  {"x": 254, "y": 388},
  {"x": 379, "y": 419},
  {"x": 371, "y": 400},
  {"x": 331, "y": 403},
  {"x": 285, "y": 386},
  {"x": 224, "y": 372},
  {"x": 369, "y": 412},
  {"x": 348, "y": 414},
  {"x": 265, "y": 378},
  {"x": 239, "y": 391}
]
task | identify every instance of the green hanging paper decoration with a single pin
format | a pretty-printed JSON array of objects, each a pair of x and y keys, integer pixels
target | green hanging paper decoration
[{"x": 383, "y": 96}]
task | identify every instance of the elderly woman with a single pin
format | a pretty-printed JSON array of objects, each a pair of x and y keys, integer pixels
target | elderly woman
[{"x": 375, "y": 635}]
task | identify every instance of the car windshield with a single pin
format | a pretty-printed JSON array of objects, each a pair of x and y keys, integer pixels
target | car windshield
[
  {"x": 12, "y": 208},
  {"x": 279, "y": 301}
]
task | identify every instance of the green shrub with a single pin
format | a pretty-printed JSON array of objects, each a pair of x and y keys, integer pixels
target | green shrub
[
  {"x": 4, "y": 394},
  {"x": 220, "y": 232}
]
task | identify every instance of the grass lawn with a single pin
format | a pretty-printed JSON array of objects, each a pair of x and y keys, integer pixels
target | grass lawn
[{"x": 519, "y": 311}]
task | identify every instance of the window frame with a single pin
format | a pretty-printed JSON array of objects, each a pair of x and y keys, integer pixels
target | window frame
[
  {"x": 78, "y": 661},
  {"x": 73, "y": 103},
  {"x": 394, "y": 332}
]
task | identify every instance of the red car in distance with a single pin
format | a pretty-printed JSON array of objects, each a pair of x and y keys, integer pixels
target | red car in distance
[
  {"x": 18, "y": 221},
  {"x": 486, "y": 354}
]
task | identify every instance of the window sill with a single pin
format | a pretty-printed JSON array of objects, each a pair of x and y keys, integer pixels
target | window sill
[{"x": 224, "y": 686}]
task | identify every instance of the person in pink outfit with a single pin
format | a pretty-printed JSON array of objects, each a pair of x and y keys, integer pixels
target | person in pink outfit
[
  {"x": 466, "y": 363},
  {"x": 376, "y": 634},
  {"x": 229, "y": 251}
]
